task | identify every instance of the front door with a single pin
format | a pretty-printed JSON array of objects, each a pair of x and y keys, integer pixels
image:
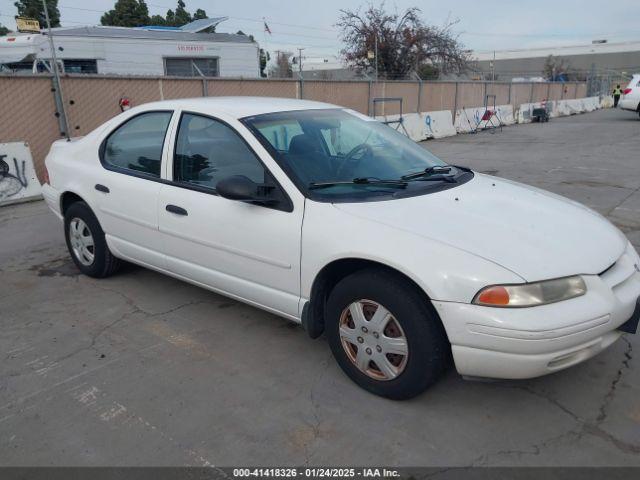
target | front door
[{"x": 244, "y": 250}]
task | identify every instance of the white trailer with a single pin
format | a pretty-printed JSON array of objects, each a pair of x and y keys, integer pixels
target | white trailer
[{"x": 185, "y": 51}]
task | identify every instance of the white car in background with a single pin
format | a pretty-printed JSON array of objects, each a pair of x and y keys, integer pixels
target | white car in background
[
  {"x": 630, "y": 99},
  {"x": 329, "y": 218}
]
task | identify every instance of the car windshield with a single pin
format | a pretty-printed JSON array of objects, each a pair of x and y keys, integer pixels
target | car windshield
[{"x": 337, "y": 153}]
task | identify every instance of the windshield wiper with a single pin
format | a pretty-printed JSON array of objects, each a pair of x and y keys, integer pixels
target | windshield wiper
[
  {"x": 431, "y": 172},
  {"x": 360, "y": 181}
]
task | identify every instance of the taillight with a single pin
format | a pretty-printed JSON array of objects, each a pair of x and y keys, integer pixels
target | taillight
[
  {"x": 626, "y": 91},
  {"x": 45, "y": 177}
]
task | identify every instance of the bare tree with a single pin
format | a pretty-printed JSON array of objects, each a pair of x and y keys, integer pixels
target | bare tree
[
  {"x": 283, "y": 67},
  {"x": 555, "y": 68},
  {"x": 403, "y": 42}
]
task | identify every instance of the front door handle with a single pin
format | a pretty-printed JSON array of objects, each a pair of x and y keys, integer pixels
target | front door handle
[
  {"x": 102, "y": 188},
  {"x": 177, "y": 210}
]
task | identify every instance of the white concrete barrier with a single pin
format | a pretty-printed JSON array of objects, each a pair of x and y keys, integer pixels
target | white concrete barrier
[
  {"x": 424, "y": 125},
  {"x": 590, "y": 104},
  {"x": 525, "y": 111},
  {"x": 439, "y": 124},
  {"x": 470, "y": 119},
  {"x": 574, "y": 106},
  {"x": 18, "y": 180}
]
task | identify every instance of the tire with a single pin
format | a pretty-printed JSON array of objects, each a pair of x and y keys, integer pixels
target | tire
[
  {"x": 412, "y": 317},
  {"x": 97, "y": 260}
]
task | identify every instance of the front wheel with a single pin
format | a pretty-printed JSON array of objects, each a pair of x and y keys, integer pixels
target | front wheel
[
  {"x": 86, "y": 242},
  {"x": 385, "y": 334}
]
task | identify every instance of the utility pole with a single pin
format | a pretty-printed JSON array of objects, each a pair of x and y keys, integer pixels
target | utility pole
[
  {"x": 56, "y": 75},
  {"x": 493, "y": 67},
  {"x": 300, "y": 60}
]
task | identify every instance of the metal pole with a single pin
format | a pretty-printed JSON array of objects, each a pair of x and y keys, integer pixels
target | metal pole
[
  {"x": 56, "y": 75},
  {"x": 300, "y": 60},
  {"x": 493, "y": 67},
  {"x": 301, "y": 83},
  {"x": 376, "y": 54},
  {"x": 455, "y": 104},
  {"x": 531, "y": 93},
  {"x": 419, "y": 91}
]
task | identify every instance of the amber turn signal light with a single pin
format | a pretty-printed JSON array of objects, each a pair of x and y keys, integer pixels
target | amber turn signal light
[{"x": 494, "y": 296}]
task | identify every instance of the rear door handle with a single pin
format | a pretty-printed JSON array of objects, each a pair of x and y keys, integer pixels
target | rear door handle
[
  {"x": 177, "y": 210},
  {"x": 102, "y": 188}
]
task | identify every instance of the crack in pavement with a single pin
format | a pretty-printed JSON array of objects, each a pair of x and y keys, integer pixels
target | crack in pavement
[
  {"x": 602, "y": 415},
  {"x": 585, "y": 427},
  {"x": 315, "y": 427},
  {"x": 94, "y": 337}
]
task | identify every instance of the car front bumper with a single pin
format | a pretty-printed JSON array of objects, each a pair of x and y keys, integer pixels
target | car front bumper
[{"x": 514, "y": 343}]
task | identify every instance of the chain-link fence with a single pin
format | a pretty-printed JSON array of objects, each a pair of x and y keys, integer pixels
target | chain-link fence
[{"x": 30, "y": 113}]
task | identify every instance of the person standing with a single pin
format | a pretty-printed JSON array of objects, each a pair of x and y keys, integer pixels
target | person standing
[{"x": 616, "y": 95}]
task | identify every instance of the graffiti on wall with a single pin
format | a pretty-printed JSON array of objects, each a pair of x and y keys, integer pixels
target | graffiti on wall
[
  {"x": 17, "y": 176},
  {"x": 11, "y": 184}
]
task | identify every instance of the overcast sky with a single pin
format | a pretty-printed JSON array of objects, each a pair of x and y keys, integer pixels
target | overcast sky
[{"x": 484, "y": 25}]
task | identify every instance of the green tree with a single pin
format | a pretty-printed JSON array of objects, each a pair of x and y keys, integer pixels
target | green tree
[
  {"x": 127, "y": 13},
  {"x": 33, "y": 9},
  {"x": 157, "y": 20},
  {"x": 181, "y": 16},
  {"x": 200, "y": 14},
  {"x": 3, "y": 30}
]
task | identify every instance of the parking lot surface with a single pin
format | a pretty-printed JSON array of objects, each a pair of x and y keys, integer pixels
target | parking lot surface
[{"x": 142, "y": 369}]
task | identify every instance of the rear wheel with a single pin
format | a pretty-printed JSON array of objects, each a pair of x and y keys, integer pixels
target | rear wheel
[
  {"x": 385, "y": 334},
  {"x": 86, "y": 242}
]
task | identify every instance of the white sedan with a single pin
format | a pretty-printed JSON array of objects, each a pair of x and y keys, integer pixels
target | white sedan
[
  {"x": 326, "y": 217},
  {"x": 631, "y": 95}
]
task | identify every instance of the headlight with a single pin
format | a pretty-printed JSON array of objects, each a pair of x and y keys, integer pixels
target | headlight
[{"x": 531, "y": 294}]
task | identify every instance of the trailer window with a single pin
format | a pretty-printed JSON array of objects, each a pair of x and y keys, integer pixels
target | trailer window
[
  {"x": 18, "y": 66},
  {"x": 191, "y": 67},
  {"x": 80, "y": 66}
]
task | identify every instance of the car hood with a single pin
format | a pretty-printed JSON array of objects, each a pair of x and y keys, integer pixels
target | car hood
[{"x": 536, "y": 234}]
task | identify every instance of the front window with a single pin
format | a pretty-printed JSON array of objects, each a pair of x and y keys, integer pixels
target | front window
[
  {"x": 336, "y": 154},
  {"x": 208, "y": 151}
]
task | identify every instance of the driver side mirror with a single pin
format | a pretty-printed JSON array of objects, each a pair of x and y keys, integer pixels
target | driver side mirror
[{"x": 239, "y": 187}]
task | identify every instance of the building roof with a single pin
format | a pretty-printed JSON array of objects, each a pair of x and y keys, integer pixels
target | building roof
[
  {"x": 589, "y": 49},
  {"x": 140, "y": 33}
]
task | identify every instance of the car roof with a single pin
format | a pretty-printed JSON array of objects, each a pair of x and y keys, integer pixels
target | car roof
[{"x": 238, "y": 107}]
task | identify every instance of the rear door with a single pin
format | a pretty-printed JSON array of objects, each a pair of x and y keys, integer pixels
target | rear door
[
  {"x": 128, "y": 188},
  {"x": 244, "y": 250}
]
